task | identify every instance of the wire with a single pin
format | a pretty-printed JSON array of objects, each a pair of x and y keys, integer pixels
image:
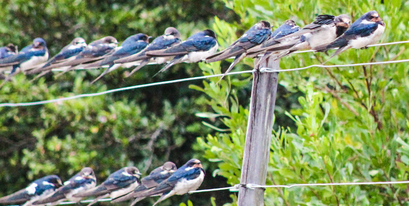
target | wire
[
  {"x": 236, "y": 187},
  {"x": 118, "y": 90},
  {"x": 264, "y": 69},
  {"x": 191, "y": 79}
]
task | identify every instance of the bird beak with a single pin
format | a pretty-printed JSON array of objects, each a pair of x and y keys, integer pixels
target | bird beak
[
  {"x": 138, "y": 174},
  {"x": 343, "y": 24},
  {"x": 59, "y": 183},
  {"x": 36, "y": 44},
  {"x": 149, "y": 37}
]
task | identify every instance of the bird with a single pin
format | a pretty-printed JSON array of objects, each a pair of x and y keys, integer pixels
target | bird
[
  {"x": 37, "y": 190},
  {"x": 117, "y": 184},
  {"x": 256, "y": 35},
  {"x": 149, "y": 182},
  {"x": 28, "y": 57},
  {"x": 196, "y": 48},
  {"x": 132, "y": 45},
  {"x": 8, "y": 50},
  {"x": 187, "y": 178},
  {"x": 287, "y": 28},
  {"x": 68, "y": 53},
  {"x": 324, "y": 30},
  {"x": 81, "y": 182},
  {"x": 96, "y": 50},
  {"x": 368, "y": 29},
  {"x": 170, "y": 38}
]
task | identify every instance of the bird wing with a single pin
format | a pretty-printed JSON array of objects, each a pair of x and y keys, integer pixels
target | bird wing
[
  {"x": 97, "y": 191},
  {"x": 17, "y": 197}
]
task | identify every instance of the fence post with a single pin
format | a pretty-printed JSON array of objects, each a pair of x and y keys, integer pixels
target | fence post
[{"x": 259, "y": 132}]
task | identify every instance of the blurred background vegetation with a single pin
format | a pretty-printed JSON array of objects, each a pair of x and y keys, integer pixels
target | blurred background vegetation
[{"x": 331, "y": 125}]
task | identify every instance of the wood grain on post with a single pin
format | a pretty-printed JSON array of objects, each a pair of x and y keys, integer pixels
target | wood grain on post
[{"x": 259, "y": 132}]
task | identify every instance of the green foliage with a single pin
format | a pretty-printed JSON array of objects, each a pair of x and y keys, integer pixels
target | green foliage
[{"x": 350, "y": 123}]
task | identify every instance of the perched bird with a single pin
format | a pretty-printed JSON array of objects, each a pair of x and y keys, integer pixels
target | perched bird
[
  {"x": 256, "y": 35},
  {"x": 368, "y": 29},
  {"x": 170, "y": 38},
  {"x": 118, "y": 183},
  {"x": 37, "y": 190},
  {"x": 8, "y": 50},
  {"x": 66, "y": 54},
  {"x": 132, "y": 45},
  {"x": 187, "y": 178},
  {"x": 96, "y": 50},
  {"x": 196, "y": 48},
  {"x": 324, "y": 30},
  {"x": 149, "y": 182},
  {"x": 287, "y": 28},
  {"x": 81, "y": 182},
  {"x": 29, "y": 57}
]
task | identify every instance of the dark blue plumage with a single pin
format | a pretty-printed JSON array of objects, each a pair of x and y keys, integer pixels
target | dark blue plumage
[
  {"x": 37, "y": 190},
  {"x": 366, "y": 30},
  {"x": 157, "y": 176},
  {"x": 170, "y": 38},
  {"x": 287, "y": 28},
  {"x": 96, "y": 50},
  {"x": 81, "y": 182},
  {"x": 256, "y": 35},
  {"x": 196, "y": 48},
  {"x": 187, "y": 178},
  {"x": 8, "y": 50},
  {"x": 67, "y": 53},
  {"x": 29, "y": 56},
  {"x": 132, "y": 45},
  {"x": 117, "y": 184}
]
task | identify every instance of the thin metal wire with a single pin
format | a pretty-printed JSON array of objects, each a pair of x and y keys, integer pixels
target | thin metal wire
[
  {"x": 235, "y": 188},
  {"x": 118, "y": 90},
  {"x": 264, "y": 69}
]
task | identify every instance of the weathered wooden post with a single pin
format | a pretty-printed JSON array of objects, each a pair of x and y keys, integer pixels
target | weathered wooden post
[{"x": 259, "y": 132}]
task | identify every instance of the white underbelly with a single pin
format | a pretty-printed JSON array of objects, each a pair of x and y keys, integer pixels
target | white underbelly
[
  {"x": 70, "y": 197},
  {"x": 34, "y": 61},
  {"x": 365, "y": 41},
  {"x": 323, "y": 36},
  {"x": 185, "y": 186},
  {"x": 124, "y": 191},
  {"x": 194, "y": 57}
]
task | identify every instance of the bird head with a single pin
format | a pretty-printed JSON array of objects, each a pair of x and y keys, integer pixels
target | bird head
[
  {"x": 87, "y": 173},
  {"x": 39, "y": 43},
  {"x": 263, "y": 25},
  {"x": 342, "y": 20},
  {"x": 79, "y": 42},
  {"x": 12, "y": 48},
  {"x": 194, "y": 163},
  {"x": 172, "y": 31},
  {"x": 290, "y": 22},
  {"x": 373, "y": 16},
  {"x": 55, "y": 180},
  {"x": 133, "y": 171},
  {"x": 169, "y": 166},
  {"x": 210, "y": 33},
  {"x": 110, "y": 40}
]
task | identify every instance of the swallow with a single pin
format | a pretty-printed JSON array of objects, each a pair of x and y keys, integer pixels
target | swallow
[
  {"x": 96, "y": 50},
  {"x": 368, "y": 29},
  {"x": 29, "y": 57},
  {"x": 256, "y": 35},
  {"x": 117, "y": 184},
  {"x": 8, "y": 50},
  {"x": 187, "y": 178},
  {"x": 66, "y": 54},
  {"x": 170, "y": 38},
  {"x": 37, "y": 190},
  {"x": 287, "y": 28},
  {"x": 196, "y": 48},
  {"x": 132, "y": 45},
  {"x": 81, "y": 182},
  {"x": 149, "y": 182},
  {"x": 324, "y": 30}
]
